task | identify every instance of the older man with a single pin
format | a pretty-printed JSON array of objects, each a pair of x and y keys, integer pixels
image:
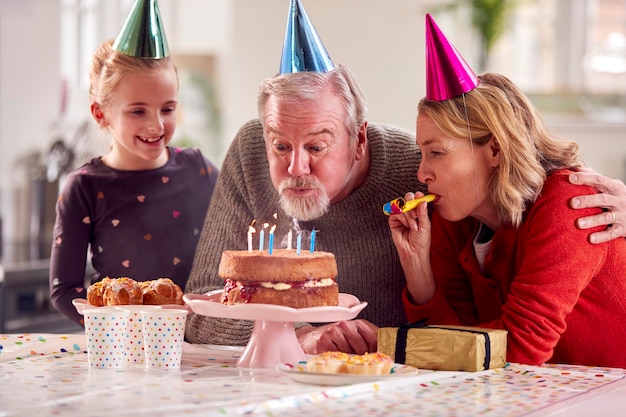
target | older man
[{"x": 312, "y": 156}]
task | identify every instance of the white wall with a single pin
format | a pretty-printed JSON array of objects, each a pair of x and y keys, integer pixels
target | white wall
[
  {"x": 29, "y": 76},
  {"x": 196, "y": 26},
  {"x": 602, "y": 144},
  {"x": 30, "y": 87}
]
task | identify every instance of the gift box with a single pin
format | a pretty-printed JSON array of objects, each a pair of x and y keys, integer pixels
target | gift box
[{"x": 445, "y": 348}]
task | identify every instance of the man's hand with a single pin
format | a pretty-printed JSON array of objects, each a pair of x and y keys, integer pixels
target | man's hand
[
  {"x": 612, "y": 197},
  {"x": 354, "y": 336}
]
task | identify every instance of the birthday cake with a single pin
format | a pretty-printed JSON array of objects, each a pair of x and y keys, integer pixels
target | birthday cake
[{"x": 283, "y": 278}]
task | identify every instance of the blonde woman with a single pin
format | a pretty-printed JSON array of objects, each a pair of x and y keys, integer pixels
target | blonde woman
[{"x": 502, "y": 249}]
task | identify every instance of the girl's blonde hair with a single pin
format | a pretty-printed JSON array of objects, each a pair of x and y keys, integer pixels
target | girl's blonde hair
[
  {"x": 528, "y": 152},
  {"x": 110, "y": 66}
]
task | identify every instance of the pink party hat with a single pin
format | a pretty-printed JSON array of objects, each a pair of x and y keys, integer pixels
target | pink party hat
[
  {"x": 303, "y": 49},
  {"x": 447, "y": 73}
]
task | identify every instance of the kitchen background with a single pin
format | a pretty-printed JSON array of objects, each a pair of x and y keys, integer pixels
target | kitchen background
[{"x": 569, "y": 56}]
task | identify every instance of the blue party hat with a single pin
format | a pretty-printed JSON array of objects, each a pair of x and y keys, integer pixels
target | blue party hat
[
  {"x": 142, "y": 35},
  {"x": 303, "y": 49}
]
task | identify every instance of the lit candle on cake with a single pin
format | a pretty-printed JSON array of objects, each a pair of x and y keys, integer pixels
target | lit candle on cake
[
  {"x": 251, "y": 231},
  {"x": 289, "y": 237},
  {"x": 312, "y": 240},
  {"x": 298, "y": 243},
  {"x": 271, "y": 244}
]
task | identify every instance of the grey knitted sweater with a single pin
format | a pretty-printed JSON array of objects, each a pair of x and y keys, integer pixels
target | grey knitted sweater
[{"x": 355, "y": 229}]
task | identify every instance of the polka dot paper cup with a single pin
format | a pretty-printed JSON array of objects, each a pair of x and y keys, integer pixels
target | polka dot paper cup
[
  {"x": 105, "y": 329},
  {"x": 163, "y": 334},
  {"x": 134, "y": 350}
]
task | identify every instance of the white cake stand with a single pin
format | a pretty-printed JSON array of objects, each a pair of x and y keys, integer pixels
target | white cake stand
[{"x": 273, "y": 339}]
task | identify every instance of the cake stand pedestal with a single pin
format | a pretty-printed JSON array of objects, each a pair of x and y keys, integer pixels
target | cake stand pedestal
[
  {"x": 271, "y": 343},
  {"x": 273, "y": 339}
]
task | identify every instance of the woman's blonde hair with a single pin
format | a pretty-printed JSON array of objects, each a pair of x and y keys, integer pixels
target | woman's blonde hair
[
  {"x": 110, "y": 66},
  {"x": 528, "y": 152}
]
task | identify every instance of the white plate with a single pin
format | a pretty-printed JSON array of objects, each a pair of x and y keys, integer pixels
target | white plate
[
  {"x": 209, "y": 305},
  {"x": 299, "y": 373},
  {"x": 81, "y": 304}
]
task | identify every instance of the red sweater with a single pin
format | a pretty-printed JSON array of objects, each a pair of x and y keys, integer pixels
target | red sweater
[{"x": 561, "y": 298}]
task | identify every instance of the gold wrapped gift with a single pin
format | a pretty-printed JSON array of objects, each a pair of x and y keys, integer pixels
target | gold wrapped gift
[{"x": 444, "y": 348}]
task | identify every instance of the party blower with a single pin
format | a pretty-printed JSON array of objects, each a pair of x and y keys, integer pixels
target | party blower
[{"x": 400, "y": 205}]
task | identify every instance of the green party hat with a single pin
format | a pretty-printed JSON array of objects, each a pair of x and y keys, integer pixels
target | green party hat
[{"x": 142, "y": 35}]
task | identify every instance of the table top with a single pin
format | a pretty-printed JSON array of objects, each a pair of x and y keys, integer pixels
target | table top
[{"x": 48, "y": 374}]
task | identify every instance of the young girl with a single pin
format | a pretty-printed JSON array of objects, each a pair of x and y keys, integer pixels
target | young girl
[{"x": 139, "y": 208}]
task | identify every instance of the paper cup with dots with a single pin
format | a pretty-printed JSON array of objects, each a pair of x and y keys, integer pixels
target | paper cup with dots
[
  {"x": 134, "y": 350},
  {"x": 105, "y": 329},
  {"x": 163, "y": 334}
]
